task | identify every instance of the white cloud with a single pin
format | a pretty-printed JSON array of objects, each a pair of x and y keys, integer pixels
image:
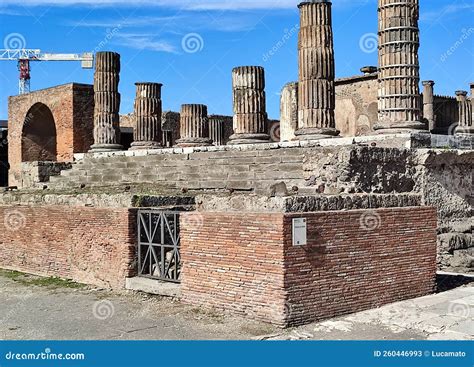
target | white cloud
[
  {"x": 183, "y": 4},
  {"x": 143, "y": 42}
]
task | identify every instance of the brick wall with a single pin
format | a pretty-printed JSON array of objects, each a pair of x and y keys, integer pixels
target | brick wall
[
  {"x": 354, "y": 260},
  {"x": 88, "y": 245},
  {"x": 72, "y": 107}
]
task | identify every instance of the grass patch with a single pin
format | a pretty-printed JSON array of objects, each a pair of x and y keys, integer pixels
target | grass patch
[{"x": 49, "y": 282}]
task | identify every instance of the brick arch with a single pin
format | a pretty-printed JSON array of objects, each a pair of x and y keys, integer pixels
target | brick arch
[{"x": 39, "y": 138}]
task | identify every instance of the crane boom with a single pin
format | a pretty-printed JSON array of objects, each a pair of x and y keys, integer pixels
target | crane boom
[{"x": 25, "y": 56}]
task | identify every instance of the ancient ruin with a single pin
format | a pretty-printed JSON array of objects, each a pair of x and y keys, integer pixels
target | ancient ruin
[
  {"x": 148, "y": 110},
  {"x": 399, "y": 41},
  {"x": 107, "y": 102},
  {"x": 250, "y": 116},
  {"x": 194, "y": 125},
  {"x": 316, "y": 98},
  {"x": 271, "y": 220}
]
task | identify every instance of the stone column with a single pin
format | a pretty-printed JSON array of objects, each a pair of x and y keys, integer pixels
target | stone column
[
  {"x": 250, "y": 116},
  {"x": 148, "y": 109},
  {"x": 316, "y": 88},
  {"x": 217, "y": 130},
  {"x": 465, "y": 114},
  {"x": 107, "y": 102},
  {"x": 399, "y": 74},
  {"x": 289, "y": 112},
  {"x": 428, "y": 103},
  {"x": 194, "y": 126}
]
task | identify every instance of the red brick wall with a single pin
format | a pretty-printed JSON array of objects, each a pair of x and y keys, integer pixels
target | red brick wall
[
  {"x": 357, "y": 260},
  {"x": 234, "y": 262},
  {"x": 72, "y": 108},
  {"x": 354, "y": 260},
  {"x": 88, "y": 245}
]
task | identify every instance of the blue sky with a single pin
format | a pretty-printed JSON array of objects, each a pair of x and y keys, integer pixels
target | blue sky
[{"x": 192, "y": 46}]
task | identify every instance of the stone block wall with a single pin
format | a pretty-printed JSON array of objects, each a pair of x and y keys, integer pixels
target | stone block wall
[
  {"x": 88, "y": 245},
  {"x": 354, "y": 260}
]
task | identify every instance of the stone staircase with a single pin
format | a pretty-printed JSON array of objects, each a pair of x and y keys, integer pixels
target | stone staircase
[{"x": 250, "y": 171}]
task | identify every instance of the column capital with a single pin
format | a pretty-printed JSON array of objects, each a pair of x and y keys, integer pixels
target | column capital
[
  {"x": 461, "y": 93},
  {"x": 428, "y": 83}
]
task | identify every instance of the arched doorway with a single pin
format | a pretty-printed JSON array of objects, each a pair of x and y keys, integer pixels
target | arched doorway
[{"x": 38, "y": 141}]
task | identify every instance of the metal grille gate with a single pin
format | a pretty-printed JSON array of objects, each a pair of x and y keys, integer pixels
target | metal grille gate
[{"x": 158, "y": 245}]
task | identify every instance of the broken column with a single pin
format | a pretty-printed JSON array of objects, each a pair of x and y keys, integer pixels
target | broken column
[
  {"x": 250, "y": 116},
  {"x": 147, "y": 132},
  {"x": 316, "y": 89},
  {"x": 464, "y": 125},
  {"x": 289, "y": 112},
  {"x": 399, "y": 71},
  {"x": 194, "y": 126},
  {"x": 428, "y": 103},
  {"x": 107, "y": 102}
]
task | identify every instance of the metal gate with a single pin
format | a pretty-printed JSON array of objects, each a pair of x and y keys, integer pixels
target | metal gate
[{"x": 158, "y": 245}]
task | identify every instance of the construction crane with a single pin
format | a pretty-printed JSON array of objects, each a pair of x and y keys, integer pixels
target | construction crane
[{"x": 25, "y": 56}]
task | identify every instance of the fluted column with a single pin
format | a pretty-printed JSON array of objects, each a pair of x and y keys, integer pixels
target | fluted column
[
  {"x": 399, "y": 71},
  {"x": 428, "y": 103},
  {"x": 316, "y": 89},
  {"x": 194, "y": 126},
  {"x": 250, "y": 116},
  {"x": 107, "y": 102},
  {"x": 217, "y": 130},
  {"x": 289, "y": 112},
  {"x": 465, "y": 125},
  {"x": 148, "y": 108}
]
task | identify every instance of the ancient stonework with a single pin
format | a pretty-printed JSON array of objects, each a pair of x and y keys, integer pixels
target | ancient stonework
[
  {"x": 107, "y": 102},
  {"x": 250, "y": 116},
  {"x": 194, "y": 126},
  {"x": 289, "y": 112},
  {"x": 428, "y": 104},
  {"x": 316, "y": 90},
  {"x": 399, "y": 75},
  {"x": 148, "y": 110},
  {"x": 170, "y": 128},
  {"x": 465, "y": 125},
  {"x": 220, "y": 129}
]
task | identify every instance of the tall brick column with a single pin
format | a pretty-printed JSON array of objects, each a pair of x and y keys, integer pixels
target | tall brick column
[
  {"x": 399, "y": 75},
  {"x": 107, "y": 102},
  {"x": 250, "y": 116},
  {"x": 428, "y": 103},
  {"x": 465, "y": 125},
  {"x": 194, "y": 126},
  {"x": 316, "y": 89},
  {"x": 148, "y": 110}
]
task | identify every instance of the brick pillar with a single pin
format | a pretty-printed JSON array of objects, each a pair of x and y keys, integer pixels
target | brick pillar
[
  {"x": 194, "y": 126},
  {"x": 148, "y": 110},
  {"x": 289, "y": 112},
  {"x": 465, "y": 125},
  {"x": 316, "y": 89},
  {"x": 107, "y": 102},
  {"x": 399, "y": 71},
  {"x": 428, "y": 103},
  {"x": 250, "y": 116}
]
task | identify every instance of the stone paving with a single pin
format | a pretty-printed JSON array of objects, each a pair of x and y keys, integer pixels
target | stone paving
[{"x": 39, "y": 308}]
